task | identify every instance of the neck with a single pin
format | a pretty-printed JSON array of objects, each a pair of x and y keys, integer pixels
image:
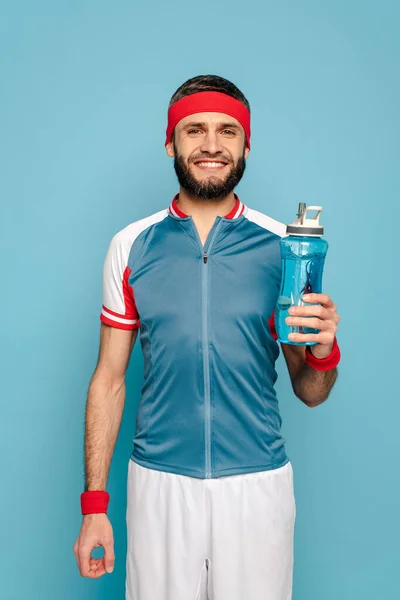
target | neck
[{"x": 205, "y": 210}]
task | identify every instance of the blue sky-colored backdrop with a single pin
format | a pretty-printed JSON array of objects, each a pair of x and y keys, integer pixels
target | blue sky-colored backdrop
[{"x": 83, "y": 97}]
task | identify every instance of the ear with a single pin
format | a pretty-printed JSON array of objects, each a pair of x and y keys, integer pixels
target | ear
[
  {"x": 246, "y": 152},
  {"x": 170, "y": 149}
]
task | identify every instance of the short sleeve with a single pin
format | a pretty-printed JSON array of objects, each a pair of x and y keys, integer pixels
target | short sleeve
[{"x": 119, "y": 306}]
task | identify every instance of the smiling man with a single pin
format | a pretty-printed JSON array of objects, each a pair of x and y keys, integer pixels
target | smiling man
[{"x": 210, "y": 506}]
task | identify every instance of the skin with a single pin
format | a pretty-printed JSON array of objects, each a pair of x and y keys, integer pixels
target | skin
[
  {"x": 208, "y": 137},
  {"x": 104, "y": 408},
  {"x": 205, "y": 136},
  {"x": 311, "y": 386}
]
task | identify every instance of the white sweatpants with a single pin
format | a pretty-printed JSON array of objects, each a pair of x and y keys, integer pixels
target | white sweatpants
[{"x": 227, "y": 538}]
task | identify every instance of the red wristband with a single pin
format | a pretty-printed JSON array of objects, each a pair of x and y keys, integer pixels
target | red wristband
[
  {"x": 324, "y": 364},
  {"x": 95, "y": 501}
]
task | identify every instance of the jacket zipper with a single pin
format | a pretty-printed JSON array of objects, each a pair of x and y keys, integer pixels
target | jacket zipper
[{"x": 206, "y": 358}]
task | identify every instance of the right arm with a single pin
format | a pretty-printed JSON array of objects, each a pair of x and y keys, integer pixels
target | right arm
[
  {"x": 106, "y": 399},
  {"x": 104, "y": 409},
  {"x": 105, "y": 404}
]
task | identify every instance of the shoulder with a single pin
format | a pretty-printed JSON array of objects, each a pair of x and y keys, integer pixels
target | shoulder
[
  {"x": 265, "y": 221},
  {"x": 125, "y": 238}
]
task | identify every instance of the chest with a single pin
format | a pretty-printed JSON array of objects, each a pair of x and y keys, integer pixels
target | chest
[
  {"x": 237, "y": 284},
  {"x": 203, "y": 231}
]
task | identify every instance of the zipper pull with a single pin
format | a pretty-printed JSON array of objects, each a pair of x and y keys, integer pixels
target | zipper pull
[{"x": 205, "y": 257}]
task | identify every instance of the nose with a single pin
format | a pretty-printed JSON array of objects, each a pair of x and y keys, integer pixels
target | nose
[{"x": 211, "y": 143}]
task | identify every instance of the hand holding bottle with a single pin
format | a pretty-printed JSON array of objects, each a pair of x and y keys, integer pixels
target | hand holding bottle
[
  {"x": 303, "y": 252},
  {"x": 322, "y": 316}
]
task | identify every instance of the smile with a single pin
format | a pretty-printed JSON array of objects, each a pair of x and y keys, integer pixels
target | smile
[{"x": 210, "y": 165}]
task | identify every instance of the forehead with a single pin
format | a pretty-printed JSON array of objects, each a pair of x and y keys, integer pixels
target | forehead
[{"x": 210, "y": 119}]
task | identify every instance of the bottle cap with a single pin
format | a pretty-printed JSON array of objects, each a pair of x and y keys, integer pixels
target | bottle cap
[{"x": 304, "y": 226}]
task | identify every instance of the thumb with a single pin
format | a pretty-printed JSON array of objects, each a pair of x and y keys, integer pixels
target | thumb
[{"x": 109, "y": 557}]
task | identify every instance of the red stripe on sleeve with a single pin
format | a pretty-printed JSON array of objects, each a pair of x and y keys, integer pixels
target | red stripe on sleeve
[
  {"x": 115, "y": 314},
  {"x": 271, "y": 324},
  {"x": 118, "y": 325},
  {"x": 129, "y": 298}
]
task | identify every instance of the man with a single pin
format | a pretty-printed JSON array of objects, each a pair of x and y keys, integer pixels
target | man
[{"x": 210, "y": 507}]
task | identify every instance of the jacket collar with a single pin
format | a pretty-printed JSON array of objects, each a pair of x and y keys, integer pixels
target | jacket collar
[{"x": 236, "y": 211}]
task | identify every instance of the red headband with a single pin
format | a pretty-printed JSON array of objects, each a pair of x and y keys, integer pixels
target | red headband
[{"x": 208, "y": 102}]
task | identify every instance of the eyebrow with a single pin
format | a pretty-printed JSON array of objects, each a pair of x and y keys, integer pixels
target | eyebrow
[{"x": 222, "y": 125}]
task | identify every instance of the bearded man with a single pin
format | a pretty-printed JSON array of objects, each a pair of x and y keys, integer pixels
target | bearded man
[{"x": 210, "y": 495}]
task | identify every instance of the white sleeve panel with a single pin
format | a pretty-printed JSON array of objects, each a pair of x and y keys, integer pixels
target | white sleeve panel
[
  {"x": 119, "y": 307},
  {"x": 113, "y": 274},
  {"x": 266, "y": 222}
]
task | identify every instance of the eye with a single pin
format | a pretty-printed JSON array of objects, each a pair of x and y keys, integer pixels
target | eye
[
  {"x": 194, "y": 131},
  {"x": 229, "y": 132}
]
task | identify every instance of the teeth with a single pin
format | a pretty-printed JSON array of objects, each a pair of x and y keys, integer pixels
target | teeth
[{"x": 210, "y": 164}]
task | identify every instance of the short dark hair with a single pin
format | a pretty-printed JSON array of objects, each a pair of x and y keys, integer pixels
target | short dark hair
[{"x": 209, "y": 83}]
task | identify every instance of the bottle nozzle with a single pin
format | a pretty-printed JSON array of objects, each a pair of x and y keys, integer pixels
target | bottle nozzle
[
  {"x": 302, "y": 209},
  {"x": 304, "y": 226}
]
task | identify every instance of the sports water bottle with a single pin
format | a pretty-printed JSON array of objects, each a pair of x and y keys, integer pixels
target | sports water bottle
[{"x": 303, "y": 253}]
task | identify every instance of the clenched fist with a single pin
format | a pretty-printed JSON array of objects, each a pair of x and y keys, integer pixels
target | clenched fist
[{"x": 96, "y": 530}]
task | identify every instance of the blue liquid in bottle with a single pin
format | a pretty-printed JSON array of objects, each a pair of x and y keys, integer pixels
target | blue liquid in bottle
[{"x": 303, "y": 254}]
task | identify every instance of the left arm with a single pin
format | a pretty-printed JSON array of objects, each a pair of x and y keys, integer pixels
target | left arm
[{"x": 310, "y": 385}]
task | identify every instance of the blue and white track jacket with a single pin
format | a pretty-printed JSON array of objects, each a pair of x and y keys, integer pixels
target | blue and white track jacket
[{"x": 208, "y": 405}]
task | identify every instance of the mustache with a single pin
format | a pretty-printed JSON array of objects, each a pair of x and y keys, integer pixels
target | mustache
[{"x": 218, "y": 158}]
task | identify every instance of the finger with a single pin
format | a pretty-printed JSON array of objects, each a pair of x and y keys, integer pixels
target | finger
[
  {"x": 109, "y": 557},
  {"x": 97, "y": 569},
  {"x": 315, "y": 323},
  {"x": 75, "y": 550},
  {"x": 323, "y": 299},
  {"x": 321, "y": 338},
  {"x": 311, "y": 322},
  {"x": 303, "y": 337},
  {"x": 100, "y": 568},
  {"x": 84, "y": 560},
  {"x": 312, "y": 311},
  {"x": 94, "y": 564}
]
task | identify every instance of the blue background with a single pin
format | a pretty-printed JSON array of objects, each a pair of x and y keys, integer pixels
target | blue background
[{"x": 84, "y": 92}]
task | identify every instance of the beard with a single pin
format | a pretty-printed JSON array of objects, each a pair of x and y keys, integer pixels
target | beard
[{"x": 212, "y": 188}]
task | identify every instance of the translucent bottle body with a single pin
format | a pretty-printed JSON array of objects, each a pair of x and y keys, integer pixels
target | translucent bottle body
[{"x": 303, "y": 259}]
